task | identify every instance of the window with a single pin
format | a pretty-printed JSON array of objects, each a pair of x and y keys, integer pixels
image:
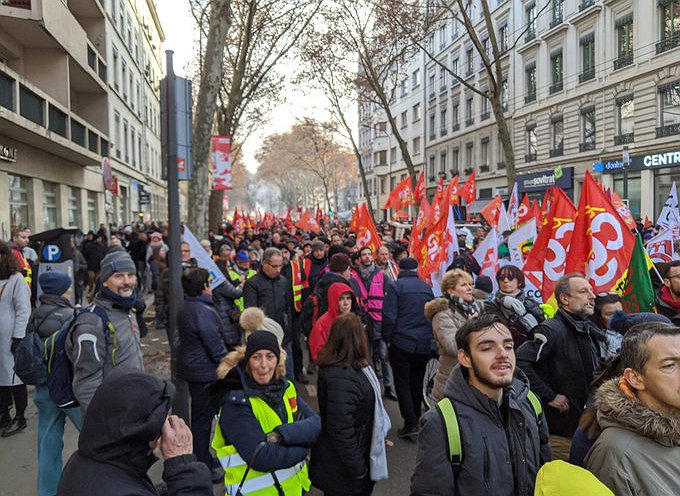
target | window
[
  {"x": 556, "y": 71},
  {"x": 133, "y": 146},
  {"x": 415, "y": 78},
  {"x": 484, "y": 150},
  {"x": 469, "y": 62},
  {"x": 92, "y": 210},
  {"x": 442, "y": 36},
  {"x": 625, "y": 110},
  {"x": 454, "y": 161},
  {"x": 430, "y": 83},
  {"x": 670, "y": 25},
  {"x": 669, "y": 95},
  {"x": 118, "y": 142},
  {"x": 6, "y": 92},
  {"x": 77, "y": 133},
  {"x": 469, "y": 160},
  {"x": 432, "y": 124},
  {"x": 116, "y": 75},
  {"x": 49, "y": 205},
  {"x": 114, "y": 9},
  {"x": 557, "y": 12},
  {"x": 505, "y": 94},
  {"x": 123, "y": 73},
  {"x": 416, "y": 146},
  {"x": 503, "y": 36},
  {"x": 383, "y": 186},
  {"x": 442, "y": 163},
  {"x": 432, "y": 168},
  {"x": 74, "y": 217},
  {"x": 404, "y": 119},
  {"x": 442, "y": 79},
  {"x": 469, "y": 117},
  {"x": 18, "y": 201},
  {"x": 588, "y": 129},
  {"x": 454, "y": 70},
  {"x": 557, "y": 136},
  {"x": 530, "y": 73},
  {"x": 393, "y": 155},
  {"x": 454, "y": 31},
  {"x": 587, "y": 58},
  {"x": 530, "y": 18},
  {"x": 532, "y": 143},
  {"x": 121, "y": 18},
  {"x": 456, "y": 117},
  {"x": 126, "y": 143},
  {"x": 442, "y": 121},
  {"x": 31, "y": 106},
  {"x": 624, "y": 41},
  {"x": 485, "y": 105},
  {"x": 57, "y": 121},
  {"x": 403, "y": 90}
]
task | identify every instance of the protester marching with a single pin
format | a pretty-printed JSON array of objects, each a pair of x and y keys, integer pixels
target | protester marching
[{"x": 533, "y": 332}]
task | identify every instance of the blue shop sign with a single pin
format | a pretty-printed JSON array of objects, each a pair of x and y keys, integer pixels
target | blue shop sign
[
  {"x": 609, "y": 167},
  {"x": 562, "y": 177}
]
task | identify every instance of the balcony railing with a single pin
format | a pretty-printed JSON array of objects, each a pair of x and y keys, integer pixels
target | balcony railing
[
  {"x": 486, "y": 115},
  {"x": 19, "y": 4},
  {"x": 586, "y": 147},
  {"x": 556, "y": 20},
  {"x": 455, "y": 127},
  {"x": 585, "y": 4},
  {"x": 483, "y": 168},
  {"x": 530, "y": 157},
  {"x": 557, "y": 152},
  {"x": 556, "y": 86},
  {"x": 531, "y": 97},
  {"x": 442, "y": 131},
  {"x": 623, "y": 139},
  {"x": 668, "y": 130},
  {"x": 500, "y": 165},
  {"x": 623, "y": 60},
  {"x": 531, "y": 35},
  {"x": 586, "y": 75},
  {"x": 469, "y": 122},
  {"x": 432, "y": 136},
  {"x": 668, "y": 43}
]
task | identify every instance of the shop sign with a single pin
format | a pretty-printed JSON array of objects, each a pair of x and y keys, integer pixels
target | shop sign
[
  {"x": 144, "y": 196},
  {"x": 562, "y": 177},
  {"x": 8, "y": 153},
  {"x": 659, "y": 160},
  {"x": 610, "y": 167}
]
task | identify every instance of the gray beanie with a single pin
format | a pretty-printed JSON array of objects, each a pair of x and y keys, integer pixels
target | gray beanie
[{"x": 116, "y": 261}]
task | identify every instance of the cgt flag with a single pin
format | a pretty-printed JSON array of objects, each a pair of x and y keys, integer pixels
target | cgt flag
[
  {"x": 468, "y": 191},
  {"x": 367, "y": 234},
  {"x": 221, "y": 162},
  {"x": 401, "y": 196}
]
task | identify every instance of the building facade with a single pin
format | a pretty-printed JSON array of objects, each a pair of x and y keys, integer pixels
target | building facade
[{"x": 591, "y": 85}]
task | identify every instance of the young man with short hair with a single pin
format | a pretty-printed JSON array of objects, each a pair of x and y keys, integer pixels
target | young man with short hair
[{"x": 504, "y": 440}]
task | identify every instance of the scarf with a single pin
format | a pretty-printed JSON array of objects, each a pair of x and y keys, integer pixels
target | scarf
[
  {"x": 125, "y": 302},
  {"x": 381, "y": 426},
  {"x": 666, "y": 296},
  {"x": 467, "y": 309}
]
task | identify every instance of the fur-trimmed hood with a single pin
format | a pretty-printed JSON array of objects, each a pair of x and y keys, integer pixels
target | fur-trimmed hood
[
  {"x": 435, "y": 306},
  {"x": 616, "y": 409},
  {"x": 254, "y": 319},
  {"x": 235, "y": 357}
]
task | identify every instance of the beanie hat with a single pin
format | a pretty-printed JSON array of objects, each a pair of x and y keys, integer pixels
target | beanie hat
[
  {"x": 621, "y": 322},
  {"x": 484, "y": 283},
  {"x": 339, "y": 263},
  {"x": 116, "y": 261},
  {"x": 262, "y": 340},
  {"x": 318, "y": 245},
  {"x": 337, "y": 249},
  {"x": 242, "y": 256},
  {"x": 54, "y": 283},
  {"x": 408, "y": 263}
]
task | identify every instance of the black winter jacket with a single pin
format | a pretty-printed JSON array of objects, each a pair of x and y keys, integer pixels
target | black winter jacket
[
  {"x": 561, "y": 357},
  {"x": 51, "y": 315},
  {"x": 274, "y": 296},
  {"x": 224, "y": 297},
  {"x": 340, "y": 458},
  {"x": 126, "y": 413},
  {"x": 94, "y": 254},
  {"x": 503, "y": 445},
  {"x": 201, "y": 340}
]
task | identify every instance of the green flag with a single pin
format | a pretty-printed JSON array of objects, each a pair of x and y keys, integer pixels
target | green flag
[{"x": 637, "y": 293}]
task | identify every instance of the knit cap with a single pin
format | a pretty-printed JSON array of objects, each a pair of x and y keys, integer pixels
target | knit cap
[
  {"x": 339, "y": 263},
  {"x": 54, "y": 283},
  {"x": 408, "y": 263},
  {"x": 262, "y": 340},
  {"x": 116, "y": 261}
]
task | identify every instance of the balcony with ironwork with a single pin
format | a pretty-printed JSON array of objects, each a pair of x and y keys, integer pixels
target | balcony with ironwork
[
  {"x": 555, "y": 87},
  {"x": 586, "y": 147},
  {"x": 442, "y": 131},
  {"x": 556, "y": 20},
  {"x": 668, "y": 43},
  {"x": 623, "y": 139},
  {"x": 485, "y": 115},
  {"x": 668, "y": 130},
  {"x": 530, "y": 36},
  {"x": 557, "y": 151},
  {"x": 500, "y": 165},
  {"x": 586, "y": 75},
  {"x": 530, "y": 157},
  {"x": 18, "y": 4},
  {"x": 585, "y": 4},
  {"x": 468, "y": 171},
  {"x": 433, "y": 136},
  {"x": 531, "y": 97},
  {"x": 484, "y": 168},
  {"x": 469, "y": 122},
  {"x": 455, "y": 127},
  {"x": 623, "y": 60}
]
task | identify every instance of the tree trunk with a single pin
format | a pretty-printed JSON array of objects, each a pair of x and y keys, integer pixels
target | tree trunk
[{"x": 209, "y": 87}]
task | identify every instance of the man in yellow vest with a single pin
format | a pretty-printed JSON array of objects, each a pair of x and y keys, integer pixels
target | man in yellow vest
[
  {"x": 293, "y": 270},
  {"x": 240, "y": 273}
]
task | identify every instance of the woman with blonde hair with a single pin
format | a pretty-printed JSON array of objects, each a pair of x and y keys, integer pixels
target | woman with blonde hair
[{"x": 448, "y": 314}]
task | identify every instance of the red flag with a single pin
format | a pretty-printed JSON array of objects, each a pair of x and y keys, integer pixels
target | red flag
[
  {"x": 414, "y": 240},
  {"x": 288, "y": 221},
  {"x": 419, "y": 191},
  {"x": 367, "y": 234},
  {"x": 602, "y": 245},
  {"x": 434, "y": 247},
  {"x": 401, "y": 196},
  {"x": 647, "y": 224},
  {"x": 524, "y": 211},
  {"x": 454, "y": 190},
  {"x": 423, "y": 214},
  {"x": 307, "y": 222},
  {"x": 468, "y": 191},
  {"x": 548, "y": 257},
  {"x": 440, "y": 185},
  {"x": 547, "y": 198},
  {"x": 535, "y": 213},
  {"x": 492, "y": 211},
  {"x": 623, "y": 210},
  {"x": 355, "y": 218},
  {"x": 319, "y": 213}
]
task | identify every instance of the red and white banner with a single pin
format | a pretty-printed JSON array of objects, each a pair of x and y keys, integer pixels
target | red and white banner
[
  {"x": 660, "y": 247},
  {"x": 486, "y": 255},
  {"x": 221, "y": 160}
]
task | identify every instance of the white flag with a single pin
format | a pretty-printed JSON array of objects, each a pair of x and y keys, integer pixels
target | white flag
[
  {"x": 660, "y": 247},
  {"x": 203, "y": 259},
  {"x": 513, "y": 206},
  {"x": 521, "y": 241},
  {"x": 505, "y": 222},
  {"x": 436, "y": 277},
  {"x": 486, "y": 255},
  {"x": 670, "y": 216}
]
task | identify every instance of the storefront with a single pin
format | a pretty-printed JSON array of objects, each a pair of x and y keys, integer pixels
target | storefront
[{"x": 535, "y": 184}]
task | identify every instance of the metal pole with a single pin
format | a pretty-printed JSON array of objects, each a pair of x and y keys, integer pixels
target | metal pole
[
  {"x": 181, "y": 403},
  {"x": 626, "y": 160}
]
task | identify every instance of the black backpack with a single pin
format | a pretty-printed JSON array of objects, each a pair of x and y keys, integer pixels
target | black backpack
[{"x": 29, "y": 356}]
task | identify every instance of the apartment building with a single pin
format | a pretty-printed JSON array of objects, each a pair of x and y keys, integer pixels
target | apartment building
[
  {"x": 591, "y": 85},
  {"x": 134, "y": 35},
  {"x": 53, "y": 114}
]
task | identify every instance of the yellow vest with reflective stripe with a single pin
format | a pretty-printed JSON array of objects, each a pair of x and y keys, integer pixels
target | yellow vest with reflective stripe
[
  {"x": 235, "y": 276},
  {"x": 293, "y": 480}
]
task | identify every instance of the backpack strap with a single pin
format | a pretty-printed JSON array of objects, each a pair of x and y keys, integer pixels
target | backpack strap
[
  {"x": 536, "y": 405},
  {"x": 447, "y": 412},
  {"x": 109, "y": 329}
]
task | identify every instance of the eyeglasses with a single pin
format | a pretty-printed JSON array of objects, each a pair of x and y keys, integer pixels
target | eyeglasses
[{"x": 506, "y": 277}]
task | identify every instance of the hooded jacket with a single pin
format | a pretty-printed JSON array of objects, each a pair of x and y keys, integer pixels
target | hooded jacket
[
  {"x": 446, "y": 320},
  {"x": 503, "y": 445},
  {"x": 127, "y": 412},
  {"x": 322, "y": 327},
  {"x": 638, "y": 452}
]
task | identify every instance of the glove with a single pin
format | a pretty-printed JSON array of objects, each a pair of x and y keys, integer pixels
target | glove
[
  {"x": 528, "y": 321},
  {"x": 15, "y": 344},
  {"x": 515, "y": 305}
]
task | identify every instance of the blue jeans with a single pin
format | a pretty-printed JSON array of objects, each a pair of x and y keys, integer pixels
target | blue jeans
[{"x": 51, "y": 421}]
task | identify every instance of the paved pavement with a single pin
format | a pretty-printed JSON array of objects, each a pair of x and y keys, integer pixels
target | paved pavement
[{"x": 18, "y": 454}]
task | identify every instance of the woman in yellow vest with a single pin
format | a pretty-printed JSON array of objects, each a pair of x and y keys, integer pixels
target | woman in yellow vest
[{"x": 264, "y": 429}]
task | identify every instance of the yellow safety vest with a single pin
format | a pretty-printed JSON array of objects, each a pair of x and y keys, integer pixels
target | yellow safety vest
[
  {"x": 293, "y": 480},
  {"x": 235, "y": 276}
]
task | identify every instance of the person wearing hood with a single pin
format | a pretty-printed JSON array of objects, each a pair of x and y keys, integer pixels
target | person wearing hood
[
  {"x": 504, "y": 441},
  {"x": 341, "y": 300},
  {"x": 264, "y": 428},
  {"x": 638, "y": 451},
  {"x": 519, "y": 313},
  {"x": 54, "y": 312},
  {"x": 93, "y": 351},
  {"x": 447, "y": 315},
  {"x": 126, "y": 422}
]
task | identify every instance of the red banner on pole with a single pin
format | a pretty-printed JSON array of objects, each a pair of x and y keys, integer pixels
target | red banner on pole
[{"x": 221, "y": 162}]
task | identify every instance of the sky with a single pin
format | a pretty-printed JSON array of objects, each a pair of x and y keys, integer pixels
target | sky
[{"x": 180, "y": 36}]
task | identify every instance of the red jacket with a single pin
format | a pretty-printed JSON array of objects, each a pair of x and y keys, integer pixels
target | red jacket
[{"x": 322, "y": 327}]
